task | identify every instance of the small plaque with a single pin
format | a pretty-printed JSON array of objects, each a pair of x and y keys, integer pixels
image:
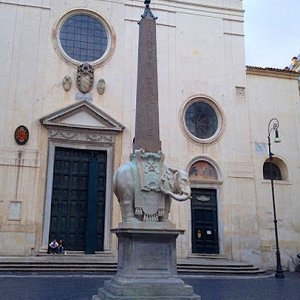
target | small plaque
[
  {"x": 80, "y": 96},
  {"x": 153, "y": 257},
  {"x": 14, "y": 211},
  {"x": 203, "y": 198},
  {"x": 240, "y": 91},
  {"x": 21, "y": 135},
  {"x": 261, "y": 148}
]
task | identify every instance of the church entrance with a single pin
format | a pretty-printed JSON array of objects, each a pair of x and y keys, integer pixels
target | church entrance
[
  {"x": 78, "y": 199},
  {"x": 204, "y": 221}
]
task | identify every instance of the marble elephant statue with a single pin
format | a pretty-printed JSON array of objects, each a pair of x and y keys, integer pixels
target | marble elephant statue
[{"x": 172, "y": 184}]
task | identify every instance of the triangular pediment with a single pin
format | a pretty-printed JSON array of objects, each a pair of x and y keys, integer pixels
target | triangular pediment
[{"x": 82, "y": 115}]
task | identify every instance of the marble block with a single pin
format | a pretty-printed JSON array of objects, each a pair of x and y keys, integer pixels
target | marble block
[{"x": 146, "y": 267}]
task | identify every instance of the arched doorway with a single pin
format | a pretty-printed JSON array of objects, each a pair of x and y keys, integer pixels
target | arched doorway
[{"x": 204, "y": 207}]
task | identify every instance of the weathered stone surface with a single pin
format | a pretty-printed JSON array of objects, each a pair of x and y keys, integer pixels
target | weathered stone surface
[
  {"x": 147, "y": 113},
  {"x": 146, "y": 267},
  {"x": 144, "y": 187},
  {"x": 146, "y": 255}
]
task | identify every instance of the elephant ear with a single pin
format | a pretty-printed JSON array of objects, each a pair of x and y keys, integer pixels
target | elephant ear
[{"x": 168, "y": 180}]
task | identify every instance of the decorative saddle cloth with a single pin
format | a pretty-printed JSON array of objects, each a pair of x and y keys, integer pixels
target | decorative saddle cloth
[{"x": 146, "y": 170}]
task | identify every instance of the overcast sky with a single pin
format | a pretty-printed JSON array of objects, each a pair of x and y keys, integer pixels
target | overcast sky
[{"x": 271, "y": 32}]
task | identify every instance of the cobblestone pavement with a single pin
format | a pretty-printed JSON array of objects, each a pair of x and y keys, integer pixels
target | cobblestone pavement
[{"x": 82, "y": 287}]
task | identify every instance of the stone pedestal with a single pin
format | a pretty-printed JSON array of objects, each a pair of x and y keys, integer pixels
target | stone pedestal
[{"x": 146, "y": 267}]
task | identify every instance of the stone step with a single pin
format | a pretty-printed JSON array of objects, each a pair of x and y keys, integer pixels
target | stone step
[
  {"x": 179, "y": 267},
  {"x": 111, "y": 267},
  {"x": 223, "y": 271}
]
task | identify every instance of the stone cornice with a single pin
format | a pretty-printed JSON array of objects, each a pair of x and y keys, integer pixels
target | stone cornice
[
  {"x": 272, "y": 72},
  {"x": 197, "y": 4},
  {"x": 24, "y": 4},
  {"x": 193, "y": 7}
]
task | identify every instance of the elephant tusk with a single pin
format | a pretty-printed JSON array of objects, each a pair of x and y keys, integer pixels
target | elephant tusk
[
  {"x": 165, "y": 191},
  {"x": 177, "y": 197},
  {"x": 182, "y": 197}
]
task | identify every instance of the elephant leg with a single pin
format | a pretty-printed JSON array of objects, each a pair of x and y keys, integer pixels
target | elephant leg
[
  {"x": 127, "y": 209},
  {"x": 165, "y": 218},
  {"x": 124, "y": 190}
]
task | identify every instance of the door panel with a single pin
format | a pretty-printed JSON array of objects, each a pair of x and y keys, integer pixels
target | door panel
[
  {"x": 204, "y": 221},
  {"x": 91, "y": 230},
  {"x": 70, "y": 198}
]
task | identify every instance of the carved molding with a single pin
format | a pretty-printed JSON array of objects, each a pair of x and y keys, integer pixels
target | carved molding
[
  {"x": 85, "y": 78},
  {"x": 67, "y": 83},
  {"x": 240, "y": 91},
  {"x": 81, "y": 136},
  {"x": 101, "y": 86}
]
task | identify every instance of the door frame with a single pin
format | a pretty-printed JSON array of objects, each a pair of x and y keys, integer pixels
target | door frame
[
  {"x": 216, "y": 225},
  {"x": 212, "y": 185},
  {"x": 109, "y": 148}
]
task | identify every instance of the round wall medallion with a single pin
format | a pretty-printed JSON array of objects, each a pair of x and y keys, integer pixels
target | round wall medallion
[
  {"x": 101, "y": 86},
  {"x": 21, "y": 135},
  {"x": 67, "y": 83}
]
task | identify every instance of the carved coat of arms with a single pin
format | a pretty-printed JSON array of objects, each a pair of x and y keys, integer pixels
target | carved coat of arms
[{"x": 85, "y": 78}]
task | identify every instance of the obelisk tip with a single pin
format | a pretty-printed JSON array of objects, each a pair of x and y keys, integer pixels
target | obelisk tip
[{"x": 148, "y": 11}]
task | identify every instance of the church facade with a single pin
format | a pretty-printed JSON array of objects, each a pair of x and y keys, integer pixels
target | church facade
[{"x": 68, "y": 91}]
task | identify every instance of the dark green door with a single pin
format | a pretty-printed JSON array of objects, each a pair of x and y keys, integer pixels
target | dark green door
[
  {"x": 78, "y": 199},
  {"x": 204, "y": 221}
]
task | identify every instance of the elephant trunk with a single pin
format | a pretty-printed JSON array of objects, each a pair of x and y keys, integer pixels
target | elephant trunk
[{"x": 178, "y": 197}]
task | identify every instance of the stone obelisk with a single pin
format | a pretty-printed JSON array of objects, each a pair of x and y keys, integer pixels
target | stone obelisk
[
  {"x": 147, "y": 111},
  {"x": 144, "y": 187}
]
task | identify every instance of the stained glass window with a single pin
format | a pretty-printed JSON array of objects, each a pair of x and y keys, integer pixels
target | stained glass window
[{"x": 201, "y": 120}]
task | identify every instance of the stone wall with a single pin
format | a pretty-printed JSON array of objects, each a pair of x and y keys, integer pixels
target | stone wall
[{"x": 274, "y": 93}]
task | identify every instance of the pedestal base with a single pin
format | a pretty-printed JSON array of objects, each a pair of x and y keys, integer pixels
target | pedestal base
[{"x": 146, "y": 268}]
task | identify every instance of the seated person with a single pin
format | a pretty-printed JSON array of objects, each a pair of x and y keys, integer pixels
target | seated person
[
  {"x": 53, "y": 247},
  {"x": 60, "y": 247}
]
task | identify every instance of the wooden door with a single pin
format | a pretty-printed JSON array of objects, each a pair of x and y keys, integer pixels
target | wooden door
[
  {"x": 204, "y": 221},
  {"x": 78, "y": 199}
]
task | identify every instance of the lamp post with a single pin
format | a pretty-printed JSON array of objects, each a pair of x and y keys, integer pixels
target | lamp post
[{"x": 273, "y": 126}]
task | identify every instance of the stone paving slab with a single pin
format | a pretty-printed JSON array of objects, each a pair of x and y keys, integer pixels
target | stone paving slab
[{"x": 70, "y": 287}]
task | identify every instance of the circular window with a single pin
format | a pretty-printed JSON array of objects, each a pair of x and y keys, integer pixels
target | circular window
[
  {"x": 202, "y": 120},
  {"x": 83, "y": 36}
]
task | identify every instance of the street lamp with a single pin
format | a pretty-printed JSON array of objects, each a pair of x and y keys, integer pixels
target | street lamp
[{"x": 273, "y": 126}]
